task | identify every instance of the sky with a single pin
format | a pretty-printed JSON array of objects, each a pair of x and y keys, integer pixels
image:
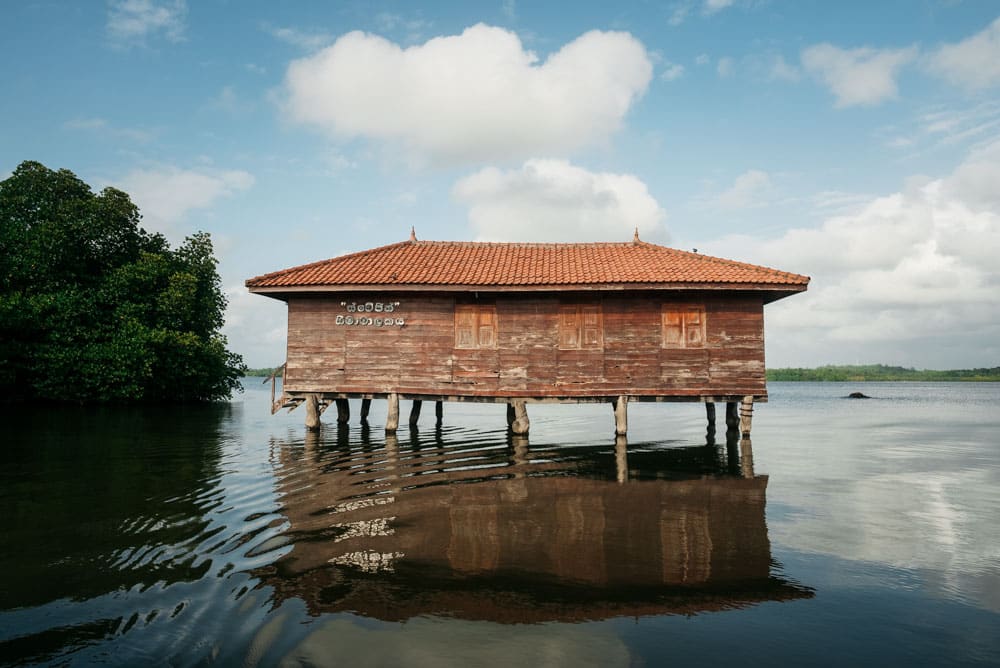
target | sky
[{"x": 857, "y": 143}]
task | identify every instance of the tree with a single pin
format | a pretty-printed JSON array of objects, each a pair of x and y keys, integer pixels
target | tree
[{"x": 92, "y": 307}]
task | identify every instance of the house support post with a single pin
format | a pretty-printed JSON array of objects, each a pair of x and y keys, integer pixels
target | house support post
[
  {"x": 438, "y": 412},
  {"x": 710, "y": 414},
  {"x": 343, "y": 411},
  {"x": 521, "y": 423},
  {"x": 366, "y": 406},
  {"x": 312, "y": 412},
  {"x": 732, "y": 416},
  {"x": 746, "y": 415},
  {"x": 621, "y": 415},
  {"x": 511, "y": 416},
  {"x": 415, "y": 412},
  {"x": 392, "y": 419}
]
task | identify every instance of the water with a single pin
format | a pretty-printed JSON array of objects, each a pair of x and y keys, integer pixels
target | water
[{"x": 867, "y": 531}]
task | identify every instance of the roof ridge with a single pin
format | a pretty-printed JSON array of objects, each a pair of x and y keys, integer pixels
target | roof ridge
[
  {"x": 346, "y": 256},
  {"x": 730, "y": 263}
]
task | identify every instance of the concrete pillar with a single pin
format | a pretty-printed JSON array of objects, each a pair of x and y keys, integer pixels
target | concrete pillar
[
  {"x": 392, "y": 419},
  {"x": 521, "y": 423},
  {"x": 415, "y": 412},
  {"x": 312, "y": 412},
  {"x": 621, "y": 415}
]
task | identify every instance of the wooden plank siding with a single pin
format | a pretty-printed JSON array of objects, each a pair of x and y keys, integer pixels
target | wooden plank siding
[{"x": 530, "y": 356}]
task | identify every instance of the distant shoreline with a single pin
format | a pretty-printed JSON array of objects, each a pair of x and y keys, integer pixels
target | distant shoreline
[{"x": 881, "y": 372}]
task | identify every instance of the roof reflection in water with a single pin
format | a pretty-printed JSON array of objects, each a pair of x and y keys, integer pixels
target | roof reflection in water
[{"x": 479, "y": 529}]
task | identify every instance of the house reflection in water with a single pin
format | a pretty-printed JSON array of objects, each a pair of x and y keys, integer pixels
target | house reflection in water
[{"x": 513, "y": 533}]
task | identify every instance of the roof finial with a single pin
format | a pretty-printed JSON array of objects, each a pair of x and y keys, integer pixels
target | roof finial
[
  {"x": 636, "y": 236},
  {"x": 413, "y": 233}
]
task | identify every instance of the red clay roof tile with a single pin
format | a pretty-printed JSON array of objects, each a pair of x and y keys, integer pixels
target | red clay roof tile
[{"x": 483, "y": 265}]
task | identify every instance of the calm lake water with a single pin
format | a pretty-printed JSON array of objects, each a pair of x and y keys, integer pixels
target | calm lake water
[{"x": 868, "y": 531}]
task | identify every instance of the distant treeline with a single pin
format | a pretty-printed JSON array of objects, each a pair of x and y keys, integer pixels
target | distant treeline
[
  {"x": 876, "y": 372},
  {"x": 264, "y": 372}
]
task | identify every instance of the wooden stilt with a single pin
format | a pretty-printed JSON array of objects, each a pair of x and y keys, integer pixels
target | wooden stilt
[
  {"x": 621, "y": 458},
  {"x": 392, "y": 419},
  {"x": 710, "y": 414},
  {"x": 438, "y": 412},
  {"x": 521, "y": 423},
  {"x": 312, "y": 412},
  {"x": 366, "y": 406},
  {"x": 746, "y": 415},
  {"x": 732, "y": 416},
  {"x": 343, "y": 411},
  {"x": 511, "y": 416},
  {"x": 621, "y": 415},
  {"x": 415, "y": 412}
]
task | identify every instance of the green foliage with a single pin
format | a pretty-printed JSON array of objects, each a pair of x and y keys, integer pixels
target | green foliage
[
  {"x": 881, "y": 372},
  {"x": 265, "y": 372},
  {"x": 92, "y": 307}
]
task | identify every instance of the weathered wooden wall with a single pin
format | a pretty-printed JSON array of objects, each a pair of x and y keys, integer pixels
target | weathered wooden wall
[{"x": 421, "y": 358}]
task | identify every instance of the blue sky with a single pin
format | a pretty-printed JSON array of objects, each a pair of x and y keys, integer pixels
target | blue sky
[{"x": 855, "y": 142}]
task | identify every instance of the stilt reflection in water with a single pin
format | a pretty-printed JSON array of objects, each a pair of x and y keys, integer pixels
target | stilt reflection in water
[{"x": 503, "y": 531}]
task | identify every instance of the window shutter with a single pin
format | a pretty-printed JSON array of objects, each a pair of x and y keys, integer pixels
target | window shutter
[
  {"x": 673, "y": 329},
  {"x": 591, "y": 326},
  {"x": 569, "y": 327},
  {"x": 487, "y": 327},
  {"x": 465, "y": 327},
  {"x": 694, "y": 329}
]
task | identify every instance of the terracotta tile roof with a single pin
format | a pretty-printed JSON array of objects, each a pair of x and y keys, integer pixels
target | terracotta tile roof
[{"x": 448, "y": 264}]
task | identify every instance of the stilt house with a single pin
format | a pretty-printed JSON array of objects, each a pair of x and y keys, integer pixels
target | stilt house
[{"x": 524, "y": 322}]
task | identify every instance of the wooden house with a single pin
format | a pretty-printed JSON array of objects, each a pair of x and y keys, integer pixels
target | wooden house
[{"x": 525, "y": 322}]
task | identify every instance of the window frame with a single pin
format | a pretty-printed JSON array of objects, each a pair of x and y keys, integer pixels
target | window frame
[
  {"x": 483, "y": 319},
  {"x": 683, "y": 326},
  {"x": 580, "y": 328}
]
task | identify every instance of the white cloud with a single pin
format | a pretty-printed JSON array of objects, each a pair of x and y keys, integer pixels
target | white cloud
[
  {"x": 307, "y": 40},
  {"x": 702, "y": 59},
  {"x": 973, "y": 63},
  {"x": 102, "y": 126},
  {"x": 470, "y": 97},
  {"x": 672, "y": 71},
  {"x": 914, "y": 272},
  {"x": 725, "y": 67},
  {"x": 678, "y": 13},
  {"x": 781, "y": 70},
  {"x": 555, "y": 201},
  {"x": 713, "y": 6},
  {"x": 748, "y": 190},
  {"x": 255, "y": 326},
  {"x": 862, "y": 76},
  {"x": 166, "y": 195},
  {"x": 133, "y": 21}
]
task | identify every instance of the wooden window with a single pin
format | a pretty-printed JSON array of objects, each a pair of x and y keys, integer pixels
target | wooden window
[
  {"x": 581, "y": 327},
  {"x": 683, "y": 326},
  {"x": 475, "y": 326}
]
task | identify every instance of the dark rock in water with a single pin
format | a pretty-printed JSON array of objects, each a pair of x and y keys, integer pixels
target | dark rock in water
[{"x": 857, "y": 395}]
